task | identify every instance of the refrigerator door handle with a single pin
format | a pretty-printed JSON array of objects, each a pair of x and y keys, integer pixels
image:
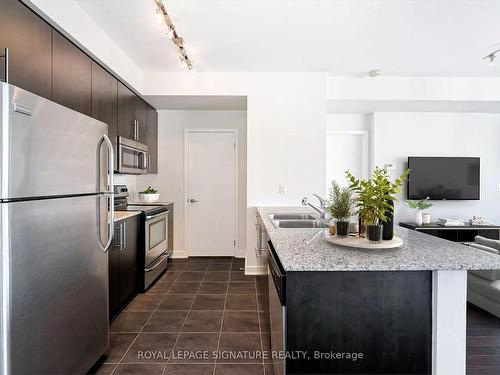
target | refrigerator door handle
[{"x": 109, "y": 193}]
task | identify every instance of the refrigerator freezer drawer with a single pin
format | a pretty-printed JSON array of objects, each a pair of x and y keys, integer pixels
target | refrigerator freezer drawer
[{"x": 58, "y": 285}]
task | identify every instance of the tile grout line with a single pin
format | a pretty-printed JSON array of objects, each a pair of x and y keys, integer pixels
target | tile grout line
[
  {"x": 183, "y": 323},
  {"x": 142, "y": 329},
  {"x": 223, "y": 313},
  {"x": 260, "y": 329}
]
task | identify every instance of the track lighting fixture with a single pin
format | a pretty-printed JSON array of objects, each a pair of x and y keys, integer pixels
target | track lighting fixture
[
  {"x": 163, "y": 17},
  {"x": 491, "y": 57}
]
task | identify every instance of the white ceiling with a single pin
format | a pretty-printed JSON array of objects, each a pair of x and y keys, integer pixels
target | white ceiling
[{"x": 341, "y": 37}]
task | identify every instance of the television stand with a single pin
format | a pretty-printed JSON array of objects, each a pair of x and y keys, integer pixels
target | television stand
[{"x": 464, "y": 233}]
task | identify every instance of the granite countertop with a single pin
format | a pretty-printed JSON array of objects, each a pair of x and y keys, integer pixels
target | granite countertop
[
  {"x": 122, "y": 215},
  {"x": 304, "y": 250}
]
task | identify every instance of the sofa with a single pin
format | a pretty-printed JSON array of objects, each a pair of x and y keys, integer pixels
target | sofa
[{"x": 483, "y": 287}]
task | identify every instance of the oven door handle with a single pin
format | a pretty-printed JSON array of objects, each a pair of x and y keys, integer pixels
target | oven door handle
[
  {"x": 157, "y": 263},
  {"x": 163, "y": 213}
]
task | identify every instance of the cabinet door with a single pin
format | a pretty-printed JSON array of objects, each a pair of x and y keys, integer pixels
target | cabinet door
[
  {"x": 71, "y": 75},
  {"x": 29, "y": 40},
  {"x": 128, "y": 259},
  {"x": 126, "y": 111},
  {"x": 114, "y": 275},
  {"x": 141, "y": 108},
  {"x": 152, "y": 138},
  {"x": 105, "y": 101}
]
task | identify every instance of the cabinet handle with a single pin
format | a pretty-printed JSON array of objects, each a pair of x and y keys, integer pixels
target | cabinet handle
[
  {"x": 124, "y": 234},
  {"x": 5, "y": 56},
  {"x": 137, "y": 127}
]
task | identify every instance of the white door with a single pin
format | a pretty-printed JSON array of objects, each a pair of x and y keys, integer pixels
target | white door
[
  {"x": 346, "y": 150},
  {"x": 211, "y": 193}
]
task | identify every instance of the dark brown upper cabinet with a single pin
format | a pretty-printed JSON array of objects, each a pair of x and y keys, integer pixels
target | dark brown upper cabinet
[
  {"x": 105, "y": 101},
  {"x": 131, "y": 115},
  {"x": 152, "y": 138},
  {"x": 28, "y": 39},
  {"x": 71, "y": 75},
  {"x": 126, "y": 112}
]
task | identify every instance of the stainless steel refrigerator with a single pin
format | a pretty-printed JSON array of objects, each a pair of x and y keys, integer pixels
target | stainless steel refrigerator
[{"x": 56, "y": 225}]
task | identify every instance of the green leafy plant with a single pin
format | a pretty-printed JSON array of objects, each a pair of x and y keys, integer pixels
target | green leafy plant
[
  {"x": 149, "y": 190},
  {"x": 374, "y": 195},
  {"x": 341, "y": 203},
  {"x": 421, "y": 204}
]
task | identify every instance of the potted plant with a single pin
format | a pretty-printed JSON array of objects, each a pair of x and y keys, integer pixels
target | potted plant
[
  {"x": 419, "y": 206},
  {"x": 341, "y": 206},
  {"x": 149, "y": 195},
  {"x": 374, "y": 199}
]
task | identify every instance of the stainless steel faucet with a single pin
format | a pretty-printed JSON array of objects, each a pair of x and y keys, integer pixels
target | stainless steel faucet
[{"x": 321, "y": 210}]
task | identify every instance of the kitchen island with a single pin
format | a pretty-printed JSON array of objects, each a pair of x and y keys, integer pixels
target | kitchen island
[{"x": 357, "y": 311}]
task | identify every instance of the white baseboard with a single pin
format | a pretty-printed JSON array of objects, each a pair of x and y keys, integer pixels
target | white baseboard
[
  {"x": 183, "y": 254},
  {"x": 179, "y": 254},
  {"x": 256, "y": 270}
]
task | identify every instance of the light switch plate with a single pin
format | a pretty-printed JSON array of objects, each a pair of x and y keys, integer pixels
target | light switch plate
[
  {"x": 283, "y": 189},
  {"x": 498, "y": 188}
]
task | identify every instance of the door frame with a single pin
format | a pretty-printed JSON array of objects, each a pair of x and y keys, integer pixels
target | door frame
[
  {"x": 364, "y": 146},
  {"x": 187, "y": 132}
]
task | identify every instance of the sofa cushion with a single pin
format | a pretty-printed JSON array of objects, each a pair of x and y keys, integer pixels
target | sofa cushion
[
  {"x": 485, "y": 248},
  {"x": 495, "y": 244},
  {"x": 486, "y": 288},
  {"x": 490, "y": 275}
]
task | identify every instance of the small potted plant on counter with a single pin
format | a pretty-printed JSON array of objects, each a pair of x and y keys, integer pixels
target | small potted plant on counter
[
  {"x": 419, "y": 206},
  {"x": 375, "y": 199},
  {"x": 341, "y": 206},
  {"x": 149, "y": 195}
]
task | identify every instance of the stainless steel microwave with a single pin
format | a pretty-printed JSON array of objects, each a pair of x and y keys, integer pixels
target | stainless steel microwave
[{"x": 133, "y": 157}]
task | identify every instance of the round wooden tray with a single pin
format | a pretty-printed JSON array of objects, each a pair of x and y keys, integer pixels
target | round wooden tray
[{"x": 363, "y": 243}]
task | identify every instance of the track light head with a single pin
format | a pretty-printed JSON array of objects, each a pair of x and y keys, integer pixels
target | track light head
[{"x": 159, "y": 16}]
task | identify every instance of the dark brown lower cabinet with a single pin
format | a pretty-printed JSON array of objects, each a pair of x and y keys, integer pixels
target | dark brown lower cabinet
[
  {"x": 359, "y": 322},
  {"x": 122, "y": 263}
]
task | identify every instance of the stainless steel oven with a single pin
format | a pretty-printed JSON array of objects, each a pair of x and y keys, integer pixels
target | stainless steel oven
[
  {"x": 156, "y": 236},
  {"x": 133, "y": 157}
]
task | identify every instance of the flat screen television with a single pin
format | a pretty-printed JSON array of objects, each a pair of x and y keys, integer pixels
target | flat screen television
[{"x": 443, "y": 178}]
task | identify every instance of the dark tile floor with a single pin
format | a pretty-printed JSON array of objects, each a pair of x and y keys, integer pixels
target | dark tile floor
[
  {"x": 483, "y": 342},
  {"x": 194, "y": 320}
]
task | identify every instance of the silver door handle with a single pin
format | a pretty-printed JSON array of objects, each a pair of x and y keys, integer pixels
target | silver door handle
[
  {"x": 124, "y": 239},
  {"x": 161, "y": 214},
  {"x": 109, "y": 193},
  {"x": 193, "y": 200},
  {"x": 157, "y": 263}
]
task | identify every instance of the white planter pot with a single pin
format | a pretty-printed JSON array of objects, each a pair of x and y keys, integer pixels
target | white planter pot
[
  {"x": 426, "y": 218},
  {"x": 418, "y": 217},
  {"x": 148, "y": 198}
]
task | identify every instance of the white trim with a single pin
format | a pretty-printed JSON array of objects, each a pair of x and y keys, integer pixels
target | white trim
[
  {"x": 449, "y": 305},
  {"x": 255, "y": 270},
  {"x": 187, "y": 131},
  {"x": 364, "y": 145}
]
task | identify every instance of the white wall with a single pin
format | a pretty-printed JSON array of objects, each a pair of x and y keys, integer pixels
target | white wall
[
  {"x": 170, "y": 177},
  {"x": 286, "y": 115},
  {"x": 399, "y": 135}
]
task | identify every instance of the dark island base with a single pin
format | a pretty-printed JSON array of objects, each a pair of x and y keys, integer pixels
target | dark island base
[{"x": 384, "y": 316}]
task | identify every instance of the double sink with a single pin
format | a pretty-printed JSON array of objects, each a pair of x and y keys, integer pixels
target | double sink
[{"x": 296, "y": 221}]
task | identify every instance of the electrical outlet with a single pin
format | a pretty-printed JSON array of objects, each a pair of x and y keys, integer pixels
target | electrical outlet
[
  {"x": 283, "y": 189},
  {"x": 498, "y": 188},
  {"x": 390, "y": 166}
]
